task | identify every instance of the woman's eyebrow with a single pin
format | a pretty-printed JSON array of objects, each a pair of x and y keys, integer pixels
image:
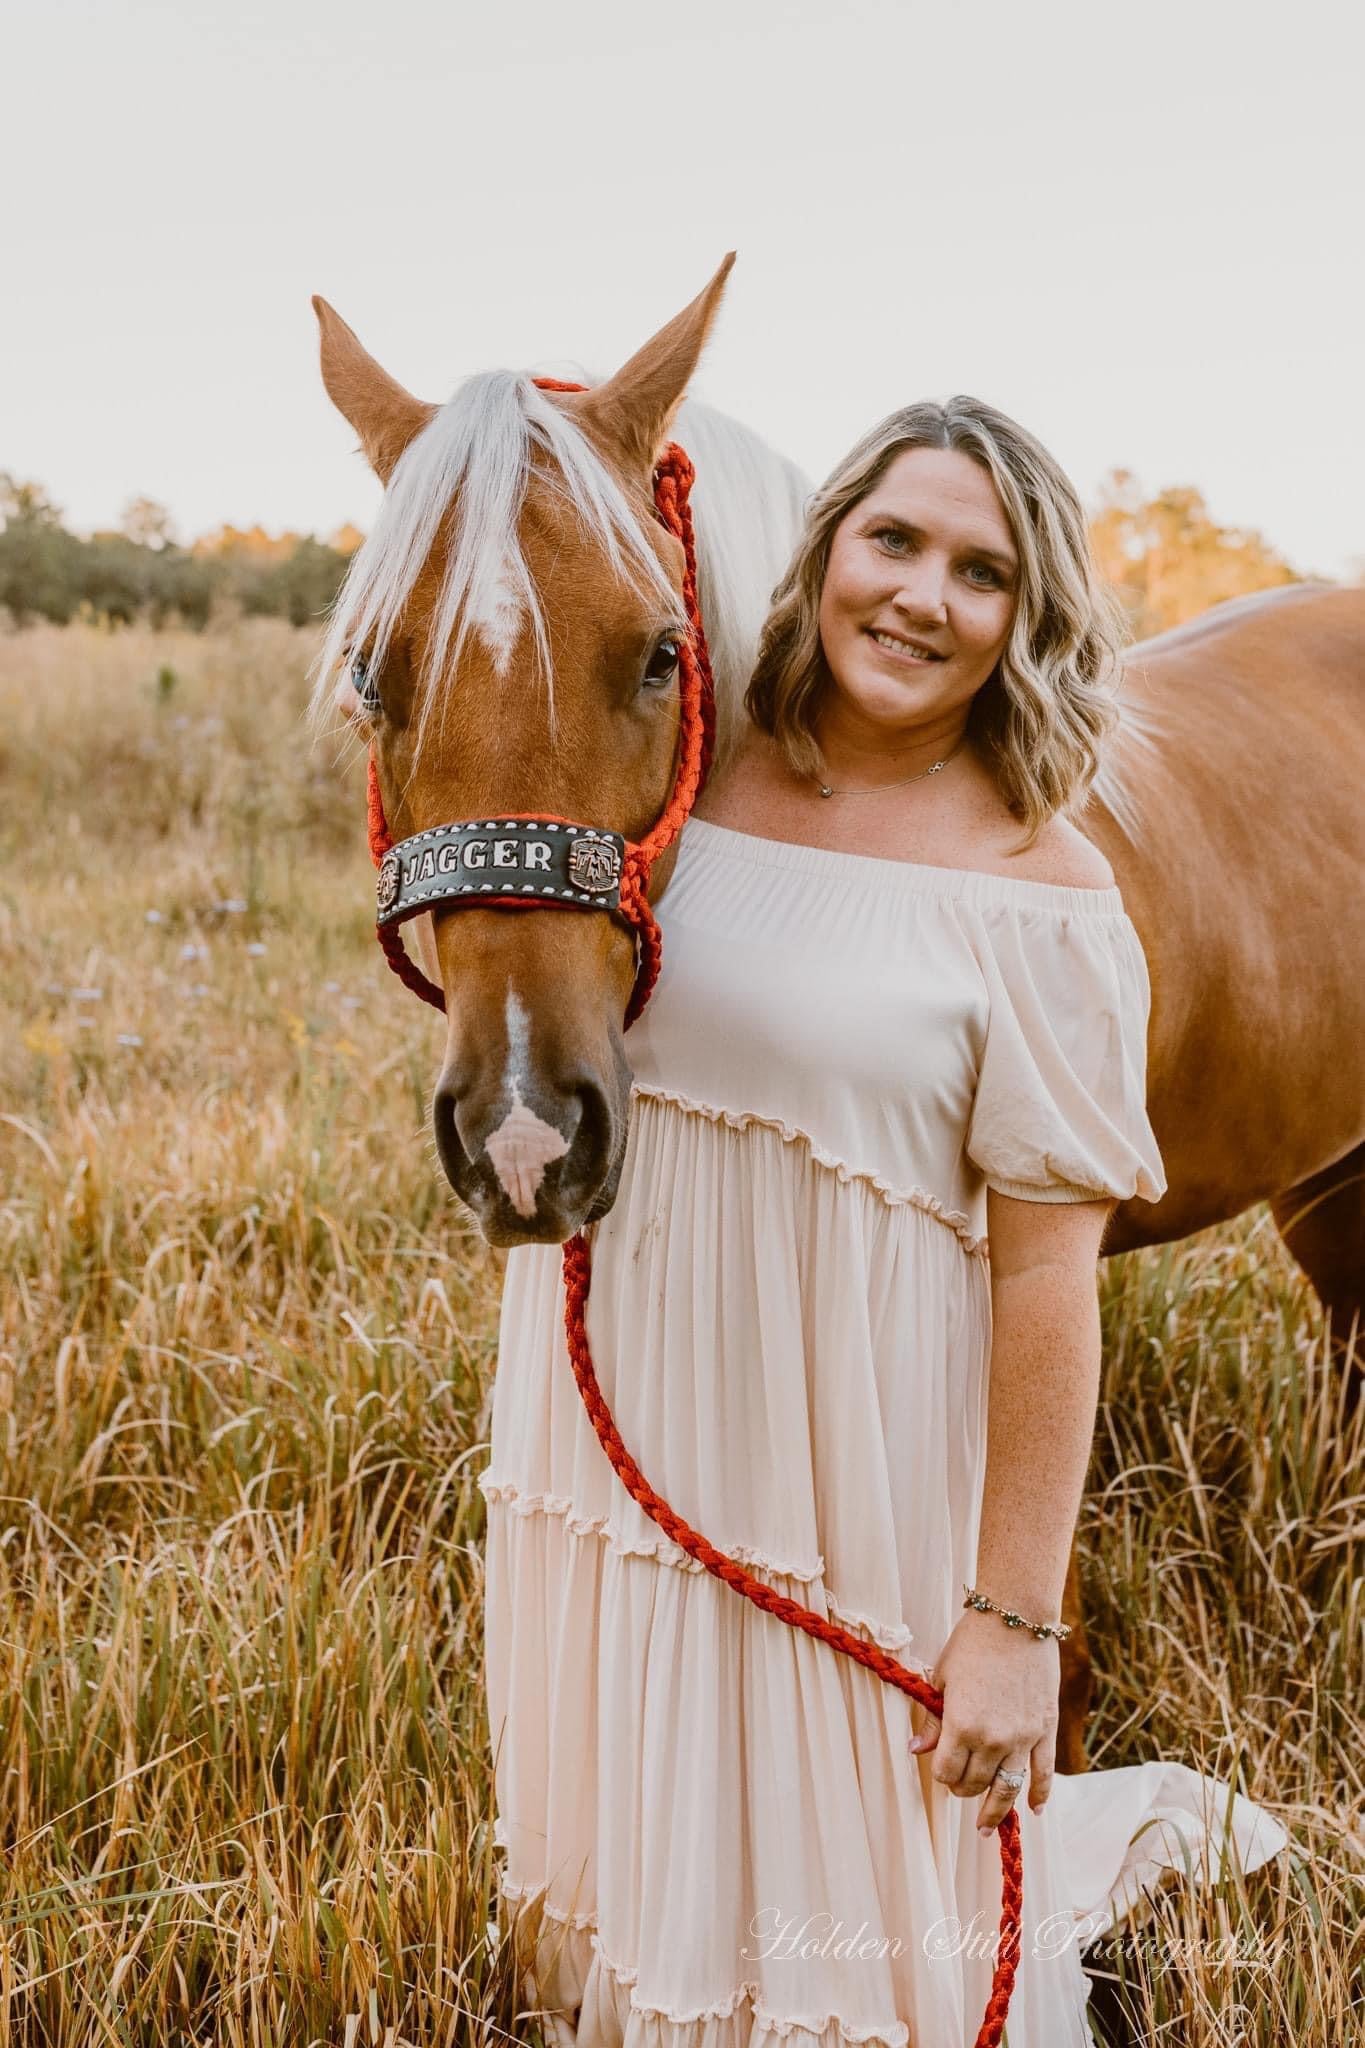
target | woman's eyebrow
[{"x": 917, "y": 533}]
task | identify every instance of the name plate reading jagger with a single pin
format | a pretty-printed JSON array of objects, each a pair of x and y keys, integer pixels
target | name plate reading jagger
[{"x": 521, "y": 857}]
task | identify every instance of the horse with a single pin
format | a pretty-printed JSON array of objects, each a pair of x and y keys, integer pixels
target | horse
[
  {"x": 558, "y": 559},
  {"x": 524, "y": 608},
  {"x": 1230, "y": 812}
]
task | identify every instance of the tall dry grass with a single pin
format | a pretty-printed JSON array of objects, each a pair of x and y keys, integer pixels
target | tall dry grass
[{"x": 245, "y": 1350}]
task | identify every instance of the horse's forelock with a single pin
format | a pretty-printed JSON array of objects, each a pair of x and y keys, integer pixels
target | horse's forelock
[{"x": 484, "y": 444}]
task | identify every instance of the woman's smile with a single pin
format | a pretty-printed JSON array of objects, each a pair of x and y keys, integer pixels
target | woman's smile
[{"x": 905, "y": 652}]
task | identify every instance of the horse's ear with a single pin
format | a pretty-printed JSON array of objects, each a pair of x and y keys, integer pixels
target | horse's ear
[
  {"x": 633, "y": 410},
  {"x": 385, "y": 416}
]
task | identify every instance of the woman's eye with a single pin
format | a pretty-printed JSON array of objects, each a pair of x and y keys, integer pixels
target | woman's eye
[
  {"x": 892, "y": 539},
  {"x": 663, "y": 664},
  {"x": 988, "y": 573}
]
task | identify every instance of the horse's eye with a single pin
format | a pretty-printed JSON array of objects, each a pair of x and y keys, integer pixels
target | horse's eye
[
  {"x": 663, "y": 663},
  {"x": 364, "y": 684}
]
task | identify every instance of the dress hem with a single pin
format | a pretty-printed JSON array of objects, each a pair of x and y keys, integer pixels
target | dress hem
[{"x": 894, "y": 2035}]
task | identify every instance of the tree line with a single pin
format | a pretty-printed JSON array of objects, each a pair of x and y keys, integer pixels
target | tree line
[
  {"x": 1166, "y": 555},
  {"x": 141, "y": 571}
]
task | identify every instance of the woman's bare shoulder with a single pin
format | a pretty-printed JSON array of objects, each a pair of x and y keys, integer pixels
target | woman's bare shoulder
[{"x": 1062, "y": 855}]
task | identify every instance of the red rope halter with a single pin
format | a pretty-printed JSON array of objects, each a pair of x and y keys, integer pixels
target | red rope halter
[{"x": 672, "y": 485}]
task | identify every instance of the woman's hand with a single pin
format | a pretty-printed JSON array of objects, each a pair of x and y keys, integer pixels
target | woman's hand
[{"x": 999, "y": 1689}]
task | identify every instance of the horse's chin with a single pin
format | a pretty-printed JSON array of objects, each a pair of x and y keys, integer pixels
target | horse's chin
[{"x": 503, "y": 1228}]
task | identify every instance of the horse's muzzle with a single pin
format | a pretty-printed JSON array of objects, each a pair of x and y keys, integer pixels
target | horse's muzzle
[{"x": 533, "y": 1170}]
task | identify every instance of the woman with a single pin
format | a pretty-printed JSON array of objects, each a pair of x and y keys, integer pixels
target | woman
[{"x": 889, "y": 1022}]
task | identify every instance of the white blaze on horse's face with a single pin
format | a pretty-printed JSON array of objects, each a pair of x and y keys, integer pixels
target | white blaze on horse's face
[
  {"x": 523, "y": 1144},
  {"x": 497, "y": 618}
]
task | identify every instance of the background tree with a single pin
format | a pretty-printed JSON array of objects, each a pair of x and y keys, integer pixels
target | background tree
[
  {"x": 147, "y": 523},
  {"x": 1170, "y": 560},
  {"x": 141, "y": 571},
  {"x": 37, "y": 556},
  {"x": 299, "y": 586}
]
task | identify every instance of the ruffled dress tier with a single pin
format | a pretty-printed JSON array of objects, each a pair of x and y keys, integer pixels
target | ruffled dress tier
[{"x": 713, "y": 1822}]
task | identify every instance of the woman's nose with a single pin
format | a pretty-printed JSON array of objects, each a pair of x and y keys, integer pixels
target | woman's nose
[{"x": 922, "y": 593}]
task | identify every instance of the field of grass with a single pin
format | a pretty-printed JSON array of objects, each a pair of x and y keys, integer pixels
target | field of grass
[{"x": 246, "y": 1344}]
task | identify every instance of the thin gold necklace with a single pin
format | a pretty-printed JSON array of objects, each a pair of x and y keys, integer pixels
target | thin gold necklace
[{"x": 919, "y": 776}]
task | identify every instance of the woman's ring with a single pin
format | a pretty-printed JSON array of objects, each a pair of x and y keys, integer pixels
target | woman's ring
[{"x": 1014, "y": 1779}]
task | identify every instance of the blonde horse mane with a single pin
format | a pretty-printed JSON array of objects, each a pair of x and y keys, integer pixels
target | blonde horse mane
[
  {"x": 485, "y": 444},
  {"x": 1133, "y": 751}
]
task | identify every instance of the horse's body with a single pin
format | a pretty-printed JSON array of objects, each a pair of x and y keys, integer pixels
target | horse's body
[{"x": 1231, "y": 812}]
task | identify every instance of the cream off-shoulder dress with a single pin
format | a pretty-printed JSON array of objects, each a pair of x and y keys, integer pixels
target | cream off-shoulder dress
[{"x": 713, "y": 1819}]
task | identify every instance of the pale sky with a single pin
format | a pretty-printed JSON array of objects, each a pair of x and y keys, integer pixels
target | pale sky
[{"x": 1136, "y": 229}]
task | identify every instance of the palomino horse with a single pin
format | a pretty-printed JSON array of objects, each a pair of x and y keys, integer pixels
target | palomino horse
[
  {"x": 1231, "y": 813},
  {"x": 1229, "y": 805}
]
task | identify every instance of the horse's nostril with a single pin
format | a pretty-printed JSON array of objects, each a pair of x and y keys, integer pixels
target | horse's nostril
[
  {"x": 449, "y": 1146},
  {"x": 594, "y": 1122}
]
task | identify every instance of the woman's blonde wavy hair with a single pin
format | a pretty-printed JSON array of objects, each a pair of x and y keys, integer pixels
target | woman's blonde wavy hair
[{"x": 1042, "y": 716}]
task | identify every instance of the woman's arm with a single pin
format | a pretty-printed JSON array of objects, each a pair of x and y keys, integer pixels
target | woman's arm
[{"x": 1000, "y": 1684}]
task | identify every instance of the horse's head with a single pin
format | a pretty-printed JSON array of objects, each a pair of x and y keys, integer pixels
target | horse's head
[{"x": 507, "y": 639}]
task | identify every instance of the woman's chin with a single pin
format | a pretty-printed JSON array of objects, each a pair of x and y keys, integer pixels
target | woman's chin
[{"x": 881, "y": 697}]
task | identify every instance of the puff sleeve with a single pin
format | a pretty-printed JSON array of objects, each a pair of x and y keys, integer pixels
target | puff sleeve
[{"x": 1060, "y": 1110}]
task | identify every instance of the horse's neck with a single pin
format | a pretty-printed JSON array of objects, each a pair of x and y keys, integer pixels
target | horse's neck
[{"x": 748, "y": 502}]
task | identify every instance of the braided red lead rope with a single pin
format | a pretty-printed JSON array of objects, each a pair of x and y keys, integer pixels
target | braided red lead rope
[
  {"x": 672, "y": 485},
  {"x": 577, "y": 1280},
  {"x": 389, "y": 937}
]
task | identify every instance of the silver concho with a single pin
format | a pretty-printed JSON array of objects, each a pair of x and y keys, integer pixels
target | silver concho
[
  {"x": 594, "y": 864},
  {"x": 386, "y": 889}
]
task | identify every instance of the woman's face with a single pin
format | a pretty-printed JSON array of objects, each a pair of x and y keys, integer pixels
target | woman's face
[{"x": 920, "y": 589}]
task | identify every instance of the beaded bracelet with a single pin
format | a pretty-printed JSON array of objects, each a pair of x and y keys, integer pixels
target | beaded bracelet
[{"x": 1042, "y": 1629}]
